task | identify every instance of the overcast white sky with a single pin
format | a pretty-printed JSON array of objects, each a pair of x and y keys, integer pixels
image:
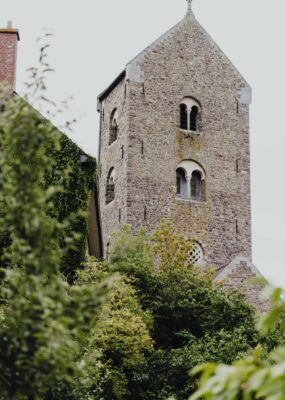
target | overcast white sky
[{"x": 95, "y": 39}]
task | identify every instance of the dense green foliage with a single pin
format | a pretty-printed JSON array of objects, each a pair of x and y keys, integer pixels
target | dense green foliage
[
  {"x": 120, "y": 340},
  {"x": 160, "y": 319},
  {"x": 44, "y": 321},
  {"x": 193, "y": 319},
  {"x": 77, "y": 180},
  {"x": 259, "y": 375},
  {"x": 69, "y": 170},
  {"x": 66, "y": 172}
]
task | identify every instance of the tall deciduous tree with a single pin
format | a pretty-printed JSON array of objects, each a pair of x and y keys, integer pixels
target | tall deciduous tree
[
  {"x": 194, "y": 318},
  {"x": 44, "y": 321}
]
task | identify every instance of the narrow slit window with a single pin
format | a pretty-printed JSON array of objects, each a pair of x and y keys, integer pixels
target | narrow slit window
[
  {"x": 110, "y": 186},
  {"x": 113, "y": 127},
  {"x": 107, "y": 251}
]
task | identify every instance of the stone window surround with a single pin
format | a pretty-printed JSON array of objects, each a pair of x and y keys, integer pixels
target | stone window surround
[
  {"x": 111, "y": 176},
  {"x": 196, "y": 254},
  {"x": 188, "y": 134},
  {"x": 192, "y": 201},
  {"x": 113, "y": 130},
  {"x": 190, "y": 102},
  {"x": 189, "y": 166}
]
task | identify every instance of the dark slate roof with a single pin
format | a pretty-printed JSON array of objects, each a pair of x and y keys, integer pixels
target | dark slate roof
[{"x": 109, "y": 89}]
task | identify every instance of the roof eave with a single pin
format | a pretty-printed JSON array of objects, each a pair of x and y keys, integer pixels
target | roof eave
[{"x": 110, "y": 88}]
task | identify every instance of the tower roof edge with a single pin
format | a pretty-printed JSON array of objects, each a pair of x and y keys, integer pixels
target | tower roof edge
[{"x": 112, "y": 85}]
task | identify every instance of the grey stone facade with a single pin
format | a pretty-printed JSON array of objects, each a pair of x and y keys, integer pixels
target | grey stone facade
[
  {"x": 183, "y": 62},
  {"x": 239, "y": 274}
]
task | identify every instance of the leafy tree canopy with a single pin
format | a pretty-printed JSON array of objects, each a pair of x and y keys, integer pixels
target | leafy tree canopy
[
  {"x": 44, "y": 321},
  {"x": 193, "y": 318},
  {"x": 259, "y": 375}
]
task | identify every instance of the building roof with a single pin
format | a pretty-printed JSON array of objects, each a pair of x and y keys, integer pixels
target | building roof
[
  {"x": 133, "y": 72},
  {"x": 109, "y": 89}
]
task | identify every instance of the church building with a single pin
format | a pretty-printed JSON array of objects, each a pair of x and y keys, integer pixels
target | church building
[{"x": 174, "y": 144}]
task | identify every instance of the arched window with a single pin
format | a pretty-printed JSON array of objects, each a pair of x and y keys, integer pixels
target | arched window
[
  {"x": 190, "y": 181},
  {"x": 110, "y": 186},
  {"x": 190, "y": 115},
  {"x": 181, "y": 183},
  {"x": 193, "y": 118},
  {"x": 183, "y": 116},
  {"x": 113, "y": 126},
  {"x": 196, "y": 185}
]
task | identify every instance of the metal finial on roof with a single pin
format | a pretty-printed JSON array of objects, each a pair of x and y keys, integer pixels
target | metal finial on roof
[
  {"x": 9, "y": 25},
  {"x": 189, "y": 5}
]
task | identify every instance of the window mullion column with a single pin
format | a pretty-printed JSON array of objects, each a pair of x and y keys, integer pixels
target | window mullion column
[
  {"x": 188, "y": 119},
  {"x": 188, "y": 180}
]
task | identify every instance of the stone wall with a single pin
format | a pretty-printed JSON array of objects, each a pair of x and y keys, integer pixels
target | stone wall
[
  {"x": 239, "y": 274},
  {"x": 185, "y": 62},
  {"x": 113, "y": 156}
]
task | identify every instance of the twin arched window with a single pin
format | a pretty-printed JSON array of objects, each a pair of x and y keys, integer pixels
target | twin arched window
[
  {"x": 190, "y": 114},
  {"x": 190, "y": 181},
  {"x": 110, "y": 186},
  {"x": 113, "y": 127}
]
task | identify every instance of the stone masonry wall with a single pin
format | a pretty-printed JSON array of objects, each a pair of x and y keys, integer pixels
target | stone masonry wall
[
  {"x": 113, "y": 156},
  {"x": 185, "y": 63},
  {"x": 239, "y": 275}
]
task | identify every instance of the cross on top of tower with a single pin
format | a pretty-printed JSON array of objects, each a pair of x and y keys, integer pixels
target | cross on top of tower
[{"x": 189, "y": 5}]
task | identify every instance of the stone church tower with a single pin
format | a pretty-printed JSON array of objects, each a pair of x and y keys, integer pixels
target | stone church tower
[{"x": 174, "y": 144}]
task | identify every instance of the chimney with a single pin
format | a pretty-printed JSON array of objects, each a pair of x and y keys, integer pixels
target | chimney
[{"x": 8, "y": 54}]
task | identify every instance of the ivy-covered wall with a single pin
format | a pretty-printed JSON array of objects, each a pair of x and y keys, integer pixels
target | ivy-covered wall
[{"x": 75, "y": 171}]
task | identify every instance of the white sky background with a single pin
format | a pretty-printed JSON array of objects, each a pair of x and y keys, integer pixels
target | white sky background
[{"x": 95, "y": 39}]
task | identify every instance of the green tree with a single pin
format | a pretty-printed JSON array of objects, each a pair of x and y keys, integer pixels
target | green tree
[
  {"x": 44, "y": 321},
  {"x": 259, "y": 375},
  {"x": 194, "y": 319},
  {"x": 120, "y": 340}
]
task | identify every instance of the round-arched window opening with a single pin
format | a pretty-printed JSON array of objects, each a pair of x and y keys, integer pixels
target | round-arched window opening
[
  {"x": 196, "y": 254},
  {"x": 190, "y": 181},
  {"x": 193, "y": 118},
  {"x": 196, "y": 185},
  {"x": 190, "y": 115},
  {"x": 181, "y": 184},
  {"x": 110, "y": 186},
  {"x": 183, "y": 117},
  {"x": 113, "y": 135}
]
